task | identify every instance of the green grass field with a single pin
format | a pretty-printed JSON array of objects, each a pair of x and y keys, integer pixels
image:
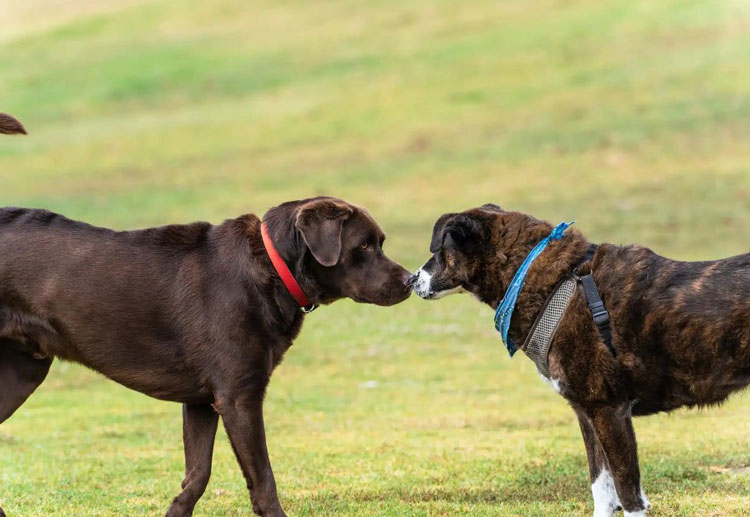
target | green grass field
[{"x": 632, "y": 117}]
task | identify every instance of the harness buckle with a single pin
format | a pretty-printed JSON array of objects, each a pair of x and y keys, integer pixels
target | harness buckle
[
  {"x": 601, "y": 318},
  {"x": 600, "y": 314}
]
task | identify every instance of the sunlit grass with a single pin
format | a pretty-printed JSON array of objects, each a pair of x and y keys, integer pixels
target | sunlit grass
[{"x": 629, "y": 117}]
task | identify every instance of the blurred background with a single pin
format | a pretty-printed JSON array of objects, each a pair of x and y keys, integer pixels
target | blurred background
[{"x": 631, "y": 117}]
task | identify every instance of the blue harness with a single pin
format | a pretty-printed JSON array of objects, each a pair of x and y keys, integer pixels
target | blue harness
[{"x": 504, "y": 311}]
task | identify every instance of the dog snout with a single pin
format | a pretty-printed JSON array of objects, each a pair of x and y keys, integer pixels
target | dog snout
[{"x": 411, "y": 279}]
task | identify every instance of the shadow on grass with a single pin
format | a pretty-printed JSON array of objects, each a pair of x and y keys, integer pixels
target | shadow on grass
[
  {"x": 557, "y": 480},
  {"x": 562, "y": 480}
]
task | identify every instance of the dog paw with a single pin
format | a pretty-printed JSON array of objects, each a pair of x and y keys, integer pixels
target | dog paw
[{"x": 274, "y": 512}]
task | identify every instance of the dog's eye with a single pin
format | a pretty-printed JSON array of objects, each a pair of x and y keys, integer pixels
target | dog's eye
[{"x": 365, "y": 246}]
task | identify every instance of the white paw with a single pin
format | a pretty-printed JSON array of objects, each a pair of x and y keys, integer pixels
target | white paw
[
  {"x": 605, "y": 495},
  {"x": 644, "y": 499}
]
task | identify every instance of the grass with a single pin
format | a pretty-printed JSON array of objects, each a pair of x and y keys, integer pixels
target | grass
[{"x": 629, "y": 116}]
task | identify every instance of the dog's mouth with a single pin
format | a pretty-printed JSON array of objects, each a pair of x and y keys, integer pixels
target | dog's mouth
[
  {"x": 425, "y": 295},
  {"x": 406, "y": 293}
]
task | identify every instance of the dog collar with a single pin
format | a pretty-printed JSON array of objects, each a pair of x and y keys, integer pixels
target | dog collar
[
  {"x": 504, "y": 311},
  {"x": 283, "y": 271}
]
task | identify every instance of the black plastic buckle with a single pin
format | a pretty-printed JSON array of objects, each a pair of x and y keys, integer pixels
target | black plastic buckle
[
  {"x": 600, "y": 314},
  {"x": 601, "y": 317}
]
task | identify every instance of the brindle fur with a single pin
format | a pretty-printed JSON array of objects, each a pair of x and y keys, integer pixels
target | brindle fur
[
  {"x": 681, "y": 330},
  {"x": 190, "y": 313}
]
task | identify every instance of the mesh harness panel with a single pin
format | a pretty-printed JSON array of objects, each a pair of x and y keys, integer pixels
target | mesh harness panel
[{"x": 545, "y": 326}]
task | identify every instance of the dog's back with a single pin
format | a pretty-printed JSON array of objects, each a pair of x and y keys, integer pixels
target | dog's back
[{"x": 10, "y": 126}]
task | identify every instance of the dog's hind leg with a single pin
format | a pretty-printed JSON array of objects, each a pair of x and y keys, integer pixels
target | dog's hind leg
[
  {"x": 199, "y": 424},
  {"x": 613, "y": 429},
  {"x": 606, "y": 502},
  {"x": 20, "y": 375}
]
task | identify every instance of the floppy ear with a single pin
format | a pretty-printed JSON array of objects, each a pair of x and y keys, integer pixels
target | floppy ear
[
  {"x": 437, "y": 233},
  {"x": 320, "y": 223},
  {"x": 465, "y": 232}
]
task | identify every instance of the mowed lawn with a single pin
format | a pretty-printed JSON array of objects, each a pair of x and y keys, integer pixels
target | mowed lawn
[{"x": 631, "y": 117}]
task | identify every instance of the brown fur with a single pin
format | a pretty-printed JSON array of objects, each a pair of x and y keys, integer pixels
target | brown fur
[
  {"x": 191, "y": 313},
  {"x": 10, "y": 126},
  {"x": 681, "y": 330}
]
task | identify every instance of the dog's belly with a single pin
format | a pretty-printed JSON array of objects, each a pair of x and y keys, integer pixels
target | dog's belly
[
  {"x": 159, "y": 383},
  {"x": 155, "y": 368},
  {"x": 665, "y": 394},
  {"x": 149, "y": 370}
]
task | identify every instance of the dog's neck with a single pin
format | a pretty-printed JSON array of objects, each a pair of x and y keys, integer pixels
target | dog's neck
[
  {"x": 257, "y": 271},
  {"x": 555, "y": 262},
  {"x": 288, "y": 241}
]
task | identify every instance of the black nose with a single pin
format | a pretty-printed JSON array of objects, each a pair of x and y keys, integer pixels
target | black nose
[{"x": 412, "y": 280}]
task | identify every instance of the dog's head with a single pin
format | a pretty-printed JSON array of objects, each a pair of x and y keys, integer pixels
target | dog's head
[
  {"x": 475, "y": 251},
  {"x": 10, "y": 126},
  {"x": 335, "y": 250}
]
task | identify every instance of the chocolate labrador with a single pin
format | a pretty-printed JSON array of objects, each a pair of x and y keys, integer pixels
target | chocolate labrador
[
  {"x": 197, "y": 313},
  {"x": 660, "y": 334}
]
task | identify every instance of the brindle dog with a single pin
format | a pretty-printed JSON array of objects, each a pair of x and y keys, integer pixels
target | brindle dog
[
  {"x": 191, "y": 313},
  {"x": 681, "y": 330}
]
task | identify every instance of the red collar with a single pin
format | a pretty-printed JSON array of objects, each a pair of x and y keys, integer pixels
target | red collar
[{"x": 283, "y": 270}]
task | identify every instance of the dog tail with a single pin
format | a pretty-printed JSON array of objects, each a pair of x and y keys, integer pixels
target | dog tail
[{"x": 10, "y": 126}]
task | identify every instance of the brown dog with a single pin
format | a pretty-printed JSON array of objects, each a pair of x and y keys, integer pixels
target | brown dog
[
  {"x": 10, "y": 126},
  {"x": 680, "y": 330},
  {"x": 195, "y": 313}
]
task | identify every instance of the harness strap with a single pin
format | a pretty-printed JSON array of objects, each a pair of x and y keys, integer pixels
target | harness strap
[
  {"x": 596, "y": 305},
  {"x": 542, "y": 333},
  {"x": 504, "y": 311}
]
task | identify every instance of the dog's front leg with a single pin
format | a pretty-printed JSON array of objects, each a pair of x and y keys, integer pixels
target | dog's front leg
[
  {"x": 198, "y": 432},
  {"x": 606, "y": 502},
  {"x": 243, "y": 418},
  {"x": 613, "y": 428}
]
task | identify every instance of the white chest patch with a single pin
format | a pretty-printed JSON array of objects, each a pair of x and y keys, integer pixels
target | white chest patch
[
  {"x": 552, "y": 383},
  {"x": 605, "y": 495}
]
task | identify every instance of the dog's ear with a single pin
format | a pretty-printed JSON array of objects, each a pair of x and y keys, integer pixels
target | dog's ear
[
  {"x": 10, "y": 126},
  {"x": 320, "y": 222},
  {"x": 460, "y": 230},
  {"x": 491, "y": 207},
  {"x": 464, "y": 232},
  {"x": 437, "y": 233}
]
